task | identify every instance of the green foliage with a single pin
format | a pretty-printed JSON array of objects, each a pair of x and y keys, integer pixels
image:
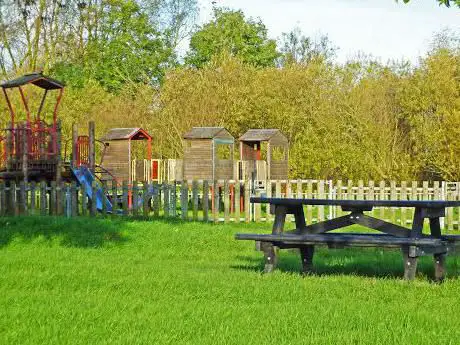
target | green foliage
[
  {"x": 230, "y": 32},
  {"x": 113, "y": 281},
  {"x": 362, "y": 120},
  {"x": 298, "y": 48}
]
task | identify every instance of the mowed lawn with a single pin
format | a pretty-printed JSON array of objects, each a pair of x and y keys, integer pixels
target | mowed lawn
[{"x": 110, "y": 281}]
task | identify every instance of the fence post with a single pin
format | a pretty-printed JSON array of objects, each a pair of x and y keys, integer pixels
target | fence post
[
  {"x": 74, "y": 199},
  {"x": 173, "y": 199},
  {"x": 93, "y": 210},
  {"x": 156, "y": 199},
  {"x": 226, "y": 202},
  {"x": 53, "y": 198},
  {"x": 320, "y": 208},
  {"x": 166, "y": 199},
  {"x": 403, "y": 196},
  {"x": 114, "y": 186},
  {"x": 216, "y": 201},
  {"x": 205, "y": 200},
  {"x": 135, "y": 205},
  {"x": 309, "y": 219},
  {"x": 195, "y": 200},
  {"x": 382, "y": 197},
  {"x": 145, "y": 199},
  {"x": 22, "y": 198},
  {"x": 247, "y": 205},
  {"x": 43, "y": 202},
  {"x": 104, "y": 194},
  {"x": 33, "y": 195},
  {"x": 184, "y": 200},
  {"x": 338, "y": 193},
  {"x": 124, "y": 198}
]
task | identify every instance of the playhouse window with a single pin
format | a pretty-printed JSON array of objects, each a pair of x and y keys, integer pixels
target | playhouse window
[{"x": 224, "y": 151}]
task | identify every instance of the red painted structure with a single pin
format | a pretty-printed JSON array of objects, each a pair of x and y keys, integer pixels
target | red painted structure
[{"x": 30, "y": 144}]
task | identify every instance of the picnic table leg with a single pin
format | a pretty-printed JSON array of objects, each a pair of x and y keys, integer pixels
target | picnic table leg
[
  {"x": 306, "y": 254},
  {"x": 439, "y": 259},
  {"x": 410, "y": 264},
  {"x": 271, "y": 259},
  {"x": 270, "y": 251}
]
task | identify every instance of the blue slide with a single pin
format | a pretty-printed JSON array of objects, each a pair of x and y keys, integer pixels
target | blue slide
[{"x": 86, "y": 178}]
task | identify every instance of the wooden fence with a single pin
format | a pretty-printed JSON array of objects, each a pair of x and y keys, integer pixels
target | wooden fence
[{"x": 222, "y": 201}]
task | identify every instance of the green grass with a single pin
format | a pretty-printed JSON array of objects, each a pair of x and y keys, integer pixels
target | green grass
[{"x": 103, "y": 281}]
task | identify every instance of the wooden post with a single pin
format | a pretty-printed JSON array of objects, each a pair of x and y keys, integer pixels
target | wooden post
[
  {"x": 184, "y": 200},
  {"x": 84, "y": 200},
  {"x": 25, "y": 150},
  {"x": 53, "y": 198},
  {"x": 156, "y": 199},
  {"x": 43, "y": 203},
  {"x": 33, "y": 196},
  {"x": 205, "y": 200},
  {"x": 125, "y": 189},
  {"x": 216, "y": 202},
  {"x": 104, "y": 193},
  {"x": 237, "y": 189},
  {"x": 135, "y": 206},
  {"x": 74, "y": 145},
  {"x": 93, "y": 210},
  {"x": 74, "y": 199},
  {"x": 309, "y": 207},
  {"x": 58, "y": 154},
  {"x": 393, "y": 197},
  {"x": 173, "y": 199},
  {"x": 22, "y": 198},
  {"x": 92, "y": 144},
  {"x": 247, "y": 205},
  {"x": 425, "y": 190},
  {"x": 195, "y": 200},
  {"x": 382, "y": 197},
  {"x": 350, "y": 195},
  {"x": 145, "y": 199},
  {"x": 360, "y": 190},
  {"x": 114, "y": 196},
  {"x": 320, "y": 217},
  {"x": 269, "y": 195},
  {"x": 403, "y": 197},
  {"x": 226, "y": 202},
  {"x": 166, "y": 199},
  {"x": 59, "y": 194},
  {"x": 338, "y": 188}
]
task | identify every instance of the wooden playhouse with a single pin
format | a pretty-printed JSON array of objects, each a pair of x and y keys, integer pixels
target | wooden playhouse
[{"x": 208, "y": 154}]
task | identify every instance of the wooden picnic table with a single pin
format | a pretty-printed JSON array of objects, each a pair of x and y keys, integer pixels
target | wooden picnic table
[{"x": 413, "y": 242}]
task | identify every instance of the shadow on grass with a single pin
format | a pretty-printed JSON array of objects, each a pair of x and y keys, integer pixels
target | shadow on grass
[
  {"x": 375, "y": 263},
  {"x": 75, "y": 232}
]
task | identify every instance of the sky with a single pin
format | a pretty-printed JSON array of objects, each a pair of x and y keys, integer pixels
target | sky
[{"x": 383, "y": 29}]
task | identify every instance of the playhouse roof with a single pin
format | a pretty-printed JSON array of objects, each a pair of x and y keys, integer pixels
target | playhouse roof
[
  {"x": 261, "y": 134},
  {"x": 126, "y": 134},
  {"x": 37, "y": 79},
  {"x": 206, "y": 133}
]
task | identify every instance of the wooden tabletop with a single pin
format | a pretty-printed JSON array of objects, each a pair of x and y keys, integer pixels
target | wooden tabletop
[{"x": 358, "y": 203}]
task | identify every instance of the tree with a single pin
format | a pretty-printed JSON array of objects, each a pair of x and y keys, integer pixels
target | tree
[
  {"x": 230, "y": 32},
  {"x": 298, "y": 48}
]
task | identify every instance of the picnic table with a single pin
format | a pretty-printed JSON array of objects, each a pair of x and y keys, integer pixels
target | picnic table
[{"x": 413, "y": 242}]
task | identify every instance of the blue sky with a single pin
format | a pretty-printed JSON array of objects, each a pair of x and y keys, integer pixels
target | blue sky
[{"x": 381, "y": 28}]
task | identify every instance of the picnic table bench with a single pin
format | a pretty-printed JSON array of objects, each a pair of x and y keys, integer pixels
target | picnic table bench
[{"x": 413, "y": 242}]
